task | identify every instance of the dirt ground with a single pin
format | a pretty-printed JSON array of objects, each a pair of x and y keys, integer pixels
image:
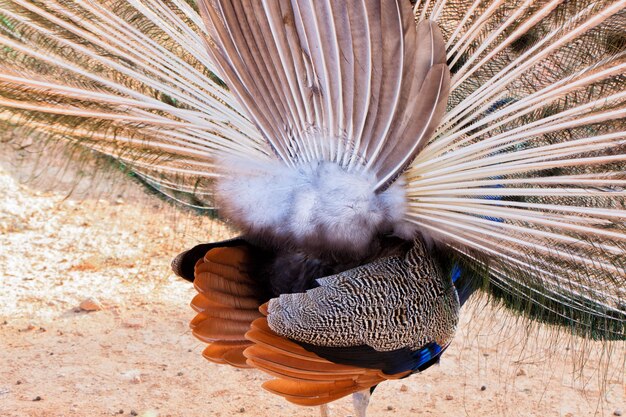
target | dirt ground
[{"x": 64, "y": 239}]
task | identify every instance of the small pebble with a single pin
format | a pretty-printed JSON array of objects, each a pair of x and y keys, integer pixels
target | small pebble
[
  {"x": 133, "y": 413},
  {"x": 617, "y": 412},
  {"x": 120, "y": 411},
  {"x": 90, "y": 304},
  {"x": 179, "y": 374},
  {"x": 521, "y": 372},
  {"x": 37, "y": 398},
  {"x": 449, "y": 397},
  {"x": 483, "y": 388},
  {"x": 242, "y": 410},
  {"x": 18, "y": 383},
  {"x": 389, "y": 408},
  {"x": 136, "y": 379},
  {"x": 404, "y": 388},
  {"x": 135, "y": 322}
]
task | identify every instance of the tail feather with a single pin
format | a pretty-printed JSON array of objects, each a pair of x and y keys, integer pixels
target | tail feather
[
  {"x": 527, "y": 166},
  {"x": 321, "y": 88},
  {"x": 129, "y": 79}
]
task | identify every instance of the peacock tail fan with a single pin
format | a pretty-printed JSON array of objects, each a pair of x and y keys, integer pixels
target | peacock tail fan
[
  {"x": 126, "y": 79},
  {"x": 527, "y": 167},
  {"x": 521, "y": 182}
]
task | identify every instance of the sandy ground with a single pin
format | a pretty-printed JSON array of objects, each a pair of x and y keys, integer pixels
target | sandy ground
[{"x": 109, "y": 239}]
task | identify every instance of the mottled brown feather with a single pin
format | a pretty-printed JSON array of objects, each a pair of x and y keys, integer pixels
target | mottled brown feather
[{"x": 230, "y": 319}]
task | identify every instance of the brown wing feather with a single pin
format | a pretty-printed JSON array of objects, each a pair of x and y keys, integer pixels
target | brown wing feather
[
  {"x": 303, "y": 377},
  {"x": 226, "y": 304},
  {"x": 229, "y": 319},
  {"x": 224, "y": 352}
]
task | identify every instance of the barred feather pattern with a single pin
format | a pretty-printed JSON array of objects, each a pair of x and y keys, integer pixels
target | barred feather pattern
[
  {"x": 524, "y": 176},
  {"x": 391, "y": 303}
]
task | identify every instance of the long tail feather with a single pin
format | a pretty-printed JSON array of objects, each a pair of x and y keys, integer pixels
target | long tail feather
[
  {"x": 351, "y": 84},
  {"x": 528, "y": 165},
  {"x": 131, "y": 81}
]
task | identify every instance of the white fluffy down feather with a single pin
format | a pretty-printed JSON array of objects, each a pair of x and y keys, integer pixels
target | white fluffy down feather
[{"x": 317, "y": 205}]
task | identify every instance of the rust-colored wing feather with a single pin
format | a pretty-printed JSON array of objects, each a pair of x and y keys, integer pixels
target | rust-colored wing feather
[
  {"x": 227, "y": 302},
  {"x": 229, "y": 318},
  {"x": 303, "y": 377}
]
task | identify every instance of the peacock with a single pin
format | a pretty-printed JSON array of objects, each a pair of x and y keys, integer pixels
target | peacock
[{"x": 382, "y": 160}]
